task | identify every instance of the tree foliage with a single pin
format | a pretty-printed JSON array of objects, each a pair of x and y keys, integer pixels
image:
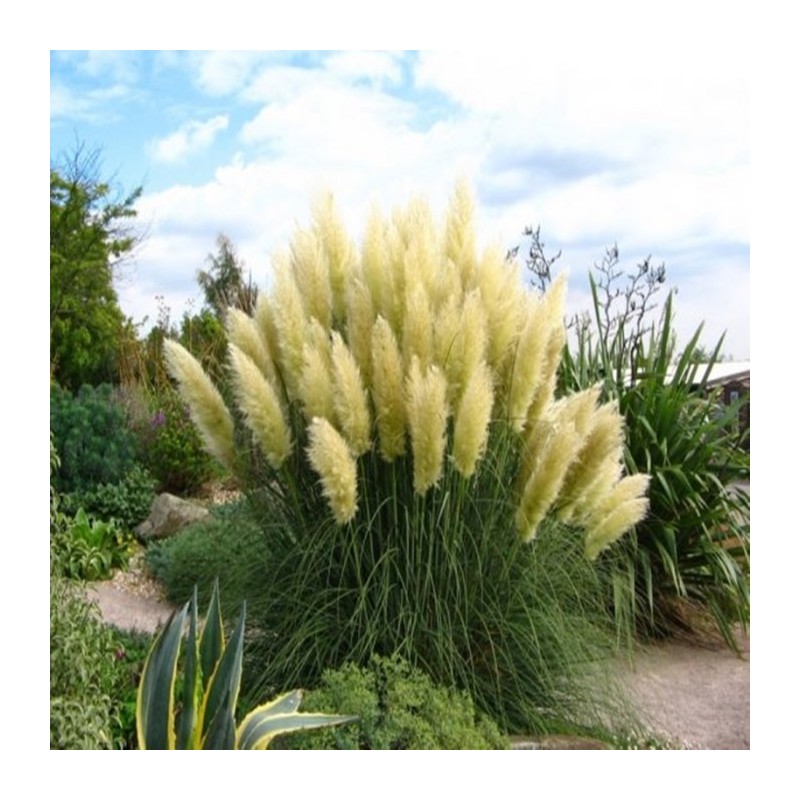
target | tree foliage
[
  {"x": 223, "y": 283},
  {"x": 89, "y": 236}
]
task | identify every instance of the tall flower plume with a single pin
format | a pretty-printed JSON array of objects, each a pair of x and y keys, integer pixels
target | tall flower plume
[
  {"x": 206, "y": 406},
  {"x": 334, "y": 463}
]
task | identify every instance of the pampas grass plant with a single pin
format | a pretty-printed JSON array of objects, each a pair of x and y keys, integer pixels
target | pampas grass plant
[{"x": 397, "y": 426}]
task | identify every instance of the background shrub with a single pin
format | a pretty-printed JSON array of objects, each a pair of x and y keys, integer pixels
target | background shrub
[
  {"x": 92, "y": 438},
  {"x": 692, "y": 551},
  {"x": 127, "y": 502},
  {"x": 398, "y": 708},
  {"x": 228, "y": 545},
  {"x": 171, "y": 446}
]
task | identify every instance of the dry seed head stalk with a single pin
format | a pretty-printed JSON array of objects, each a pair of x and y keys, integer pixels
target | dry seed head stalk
[
  {"x": 206, "y": 406},
  {"x": 471, "y": 428},
  {"x": 623, "y": 508},
  {"x": 244, "y": 332},
  {"x": 332, "y": 460},
  {"x": 426, "y": 404},
  {"x": 349, "y": 397},
  {"x": 388, "y": 391},
  {"x": 261, "y": 408}
]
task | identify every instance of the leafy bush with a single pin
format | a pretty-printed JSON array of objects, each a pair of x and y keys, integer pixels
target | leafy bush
[
  {"x": 83, "y": 714},
  {"x": 127, "y": 502},
  {"x": 90, "y": 549},
  {"x": 92, "y": 438},
  {"x": 172, "y": 448},
  {"x": 396, "y": 426},
  {"x": 694, "y": 544},
  {"x": 228, "y": 545},
  {"x": 398, "y": 708}
]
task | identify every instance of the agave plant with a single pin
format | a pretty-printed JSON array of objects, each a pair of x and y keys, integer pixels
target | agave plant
[{"x": 209, "y": 691}]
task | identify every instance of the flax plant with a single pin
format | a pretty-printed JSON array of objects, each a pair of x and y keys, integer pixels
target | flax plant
[{"x": 412, "y": 380}]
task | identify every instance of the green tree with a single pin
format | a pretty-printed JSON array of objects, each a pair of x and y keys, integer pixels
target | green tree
[
  {"x": 90, "y": 235},
  {"x": 223, "y": 283}
]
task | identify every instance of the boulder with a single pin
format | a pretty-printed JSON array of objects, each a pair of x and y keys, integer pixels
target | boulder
[{"x": 168, "y": 515}]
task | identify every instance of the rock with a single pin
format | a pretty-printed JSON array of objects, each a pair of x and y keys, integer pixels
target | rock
[
  {"x": 557, "y": 742},
  {"x": 169, "y": 514}
]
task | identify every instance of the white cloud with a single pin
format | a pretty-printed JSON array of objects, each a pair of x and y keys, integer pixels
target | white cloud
[
  {"x": 373, "y": 65},
  {"x": 226, "y": 72},
  {"x": 120, "y": 65},
  {"x": 91, "y": 105},
  {"x": 191, "y": 138},
  {"x": 657, "y": 160}
]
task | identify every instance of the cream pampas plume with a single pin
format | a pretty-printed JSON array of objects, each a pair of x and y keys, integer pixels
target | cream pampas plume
[
  {"x": 622, "y": 509},
  {"x": 206, "y": 405},
  {"x": 552, "y": 445},
  {"x": 426, "y": 406},
  {"x": 471, "y": 429},
  {"x": 388, "y": 391},
  {"x": 333, "y": 462},
  {"x": 244, "y": 332},
  {"x": 349, "y": 398},
  {"x": 315, "y": 387},
  {"x": 259, "y": 403}
]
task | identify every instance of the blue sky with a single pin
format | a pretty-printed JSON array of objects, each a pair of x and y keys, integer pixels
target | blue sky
[{"x": 632, "y": 148}]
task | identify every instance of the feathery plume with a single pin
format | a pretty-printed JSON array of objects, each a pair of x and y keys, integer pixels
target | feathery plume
[
  {"x": 290, "y": 326},
  {"x": 526, "y": 367},
  {"x": 349, "y": 398},
  {"x": 338, "y": 249},
  {"x": 624, "y": 507},
  {"x": 426, "y": 406},
  {"x": 245, "y": 333},
  {"x": 471, "y": 428},
  {"x": 315, "y": 387},
  {"x": 459, "y": 244},
  {"x": 388, "y": 392},
  {"x": 553, "y": 445},
  {"x": 310, "y": 269},
  {"x": 261, "y": 408},
  {"x": 360, "y": 319},
  {"x": 417, "y": 327},
  {"x": 332, "y": 460},
  {"x": 206, "y": 406}
]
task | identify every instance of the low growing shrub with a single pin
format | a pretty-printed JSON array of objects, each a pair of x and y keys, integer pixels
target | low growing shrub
[
  {"x": 83, "y": 678},
  {"x": 228, "y": 545},
  {"x": 127, "y": 502},
  {"x": 90, "y": 549},
  {"x": 398, "y": 708}
]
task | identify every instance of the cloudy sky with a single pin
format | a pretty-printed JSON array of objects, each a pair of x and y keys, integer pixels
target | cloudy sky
[{"x": 623, "y": 147}]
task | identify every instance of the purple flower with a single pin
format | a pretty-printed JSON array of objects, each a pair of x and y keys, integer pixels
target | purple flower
[{"x": 158, "y": 420}]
